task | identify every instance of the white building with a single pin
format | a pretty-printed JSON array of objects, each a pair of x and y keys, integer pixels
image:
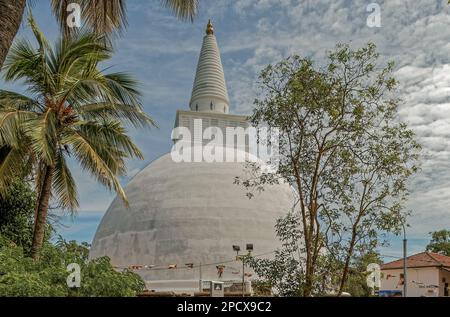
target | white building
[
  {"x": 185, "y": 217},
  {"x": 428, "y": 275}
]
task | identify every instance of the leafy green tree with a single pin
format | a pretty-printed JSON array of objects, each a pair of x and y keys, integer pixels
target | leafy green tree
[
  {"x": 17, "y": 214},
  {"x": 98, "y": 277},
  {"x": 284, "y": 272},
  {"x": 356, "y": 283},
  {"x": 440, "y": 242},
  {"x": 22, "y": 276},
  {"x": 74, "y": 110},
  {"x": 342, "y": 148}
]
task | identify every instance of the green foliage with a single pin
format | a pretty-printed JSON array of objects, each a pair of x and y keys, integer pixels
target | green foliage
[
  {"x": 284, "y": 272},
  {"x": 23, "y": 276},
  {"x": 342, "y": 148},
  {"x": 100, "y": 279},
  {"x": 17, "y": 214},
  {"x": 440, "y": 242},
  {"x": 356, "y": 283}
]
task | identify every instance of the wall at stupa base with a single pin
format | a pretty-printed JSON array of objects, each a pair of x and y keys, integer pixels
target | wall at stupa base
[
  {"x": 191, "y": 287},
  {"x": 221, "y": 272}
]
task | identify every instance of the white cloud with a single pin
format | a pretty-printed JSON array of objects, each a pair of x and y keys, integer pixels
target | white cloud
[{"x": 414, "y": 34}]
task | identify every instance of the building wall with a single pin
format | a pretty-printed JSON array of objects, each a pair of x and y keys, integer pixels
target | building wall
[
  {"x": 444, "y": 278},
  {"x": 421, "y": 281}
]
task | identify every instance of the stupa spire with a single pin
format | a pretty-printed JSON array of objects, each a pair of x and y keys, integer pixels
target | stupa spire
[
  {"x": 209, "y": 93},
  {"x": 209, "y": 28}
]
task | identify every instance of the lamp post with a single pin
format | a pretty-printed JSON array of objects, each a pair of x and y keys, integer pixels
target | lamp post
[
  {"x": 249, "y": 248},
  {"x": 405, "y": 280}
]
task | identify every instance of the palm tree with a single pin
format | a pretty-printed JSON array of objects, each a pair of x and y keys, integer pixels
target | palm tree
[
  {"x": 101, "y": 16},
  {"x": 11, "y": 12},
  {"x": 73, "y": 110}
]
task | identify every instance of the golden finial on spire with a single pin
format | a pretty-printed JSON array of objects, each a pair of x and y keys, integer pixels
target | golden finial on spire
[{"x": 209, "y": 28}]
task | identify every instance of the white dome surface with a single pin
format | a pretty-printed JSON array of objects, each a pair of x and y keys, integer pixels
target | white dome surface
[{"x": 184, "y": 213}]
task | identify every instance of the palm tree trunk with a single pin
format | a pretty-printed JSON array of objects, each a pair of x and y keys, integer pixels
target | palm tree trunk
[
  {"x": 41, "y": 214},
  {"x": 11, "y": 12}
]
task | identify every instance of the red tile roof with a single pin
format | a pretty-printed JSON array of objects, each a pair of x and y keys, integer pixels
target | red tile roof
[{"x": 424, "y": 259}]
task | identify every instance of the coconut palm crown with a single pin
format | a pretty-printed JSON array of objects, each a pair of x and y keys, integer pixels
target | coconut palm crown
[
  {"x": 104, "y": 17},
  {"x": 72, "y": 110}
]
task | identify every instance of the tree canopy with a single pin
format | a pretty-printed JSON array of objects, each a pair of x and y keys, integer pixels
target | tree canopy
[
  {"x": 342, "y": 147},
  {"x": 17, "y": 209},
  {"x": 440, "y": 242},
  {"x": 22, "y": 276}
]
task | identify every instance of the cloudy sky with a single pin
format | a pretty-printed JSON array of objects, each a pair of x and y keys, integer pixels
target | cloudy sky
[{"x": 162, "y": 53}]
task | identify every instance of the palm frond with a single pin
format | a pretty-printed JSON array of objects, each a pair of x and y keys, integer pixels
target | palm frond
[
  {"x": 10, "y": 99},
  {"x": 91, "y": 160},
  {"x": 39, "y": 36},
  {"x": 183, "y": 9},
  {"x": 77, "y": 58},
  {"x": 26, "y": 63},
  {"x": 123, "y": 88},
  {"x": 21, "y": 61},
  {"x": 110, "y": 96},
  {"x": 12, "y": 123},
  {"x": 47, "y": 69},
  {"x": 111, "y": 136},
  {"x": 13, "y": 164},
  {"x": 109, "y": 16},
  {"x": 59, "y": 8},
  {"x": 116, "y": 111},
  {"x": 43, "y": 134},
  {"x": 104, "y": 16},
  {"x": 64, "y": 187}
]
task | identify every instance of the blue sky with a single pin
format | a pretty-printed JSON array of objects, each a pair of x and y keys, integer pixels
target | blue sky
[{"x": 162, "y": 53}]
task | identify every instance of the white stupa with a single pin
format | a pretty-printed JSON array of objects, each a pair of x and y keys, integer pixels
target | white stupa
[{"x": 184, "y": 218}]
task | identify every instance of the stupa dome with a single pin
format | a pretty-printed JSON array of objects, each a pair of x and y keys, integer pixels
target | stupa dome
[
  {"x": 189, "y": 213},
  {"x": 184, "y": 218}
]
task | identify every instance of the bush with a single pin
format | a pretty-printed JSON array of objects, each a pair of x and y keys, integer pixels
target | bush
[
  {"x": 22, "y": 276},
  {"x": 17, "y": 214}
]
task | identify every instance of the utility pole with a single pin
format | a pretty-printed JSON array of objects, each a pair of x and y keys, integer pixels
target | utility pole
[
  {"x": 405, "y": 280},
  {"x": 249, "y": 248},
  {"x": 243, "y": 276},
  {"x": 201, "y": 281}
]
